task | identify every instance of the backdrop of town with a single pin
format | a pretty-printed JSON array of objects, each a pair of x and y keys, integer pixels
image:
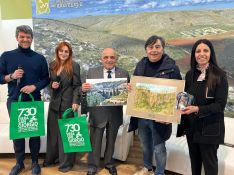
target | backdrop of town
[{"x": 127, "y": 34}]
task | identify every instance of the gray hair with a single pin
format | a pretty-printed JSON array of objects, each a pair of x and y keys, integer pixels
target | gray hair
[{"x": 24, "y": 28}]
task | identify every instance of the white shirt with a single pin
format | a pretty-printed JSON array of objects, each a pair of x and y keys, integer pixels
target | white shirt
[{"x": 105, "y": 73}]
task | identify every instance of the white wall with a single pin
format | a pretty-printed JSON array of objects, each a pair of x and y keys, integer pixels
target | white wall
[{"x": 8, "y": 42}]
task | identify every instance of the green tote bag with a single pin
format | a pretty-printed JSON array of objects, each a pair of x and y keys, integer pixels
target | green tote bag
[
  {"x": 27, "y": 119},
  {"x": 74, "y": 133}
]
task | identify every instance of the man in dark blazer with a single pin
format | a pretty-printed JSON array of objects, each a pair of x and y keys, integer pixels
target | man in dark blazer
[{"x": 101, "y": 118}]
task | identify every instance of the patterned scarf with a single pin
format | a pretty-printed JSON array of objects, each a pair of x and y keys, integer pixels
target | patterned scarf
[{"x": 203, "y": 69}]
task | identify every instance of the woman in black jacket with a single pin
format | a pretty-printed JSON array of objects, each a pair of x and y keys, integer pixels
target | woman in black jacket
[
  {"x": 65, "y": 84},
  {"x": 203, "y": 122}
]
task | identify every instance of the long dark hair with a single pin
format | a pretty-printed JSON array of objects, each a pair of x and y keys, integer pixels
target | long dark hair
[{"x": 214, "y": 71}]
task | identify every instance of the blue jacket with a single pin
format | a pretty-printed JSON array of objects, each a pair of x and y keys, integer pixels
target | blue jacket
[
  {"x": 35, "y": 72},
  {"x": 168, "y": 69}
]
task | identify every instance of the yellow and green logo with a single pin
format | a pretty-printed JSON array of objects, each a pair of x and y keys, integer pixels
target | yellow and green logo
[{"x": 42, "y": 6}]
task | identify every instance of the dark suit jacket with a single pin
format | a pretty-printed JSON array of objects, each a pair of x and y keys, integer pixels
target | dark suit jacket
[
  {"x": 207, "y": 126},
  {"x": 168, "y": 69},
  {"x": 99, "y": 116},
  {"x": 69, "y": 91}
]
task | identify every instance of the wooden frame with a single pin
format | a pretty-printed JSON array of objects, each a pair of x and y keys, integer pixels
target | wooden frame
[{"x": 154, "y": 98}]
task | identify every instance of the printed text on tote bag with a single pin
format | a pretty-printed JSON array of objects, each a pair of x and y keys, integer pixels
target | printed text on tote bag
[
  {"x": 27, "y": 120},
  {"x": 74, "y": 136}
]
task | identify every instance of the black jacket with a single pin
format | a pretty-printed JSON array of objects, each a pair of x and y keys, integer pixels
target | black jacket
[
  {"x": 68, "y": 92},
  {"x": 207, "y": 126},
  {"x": 168, "y": 69}
]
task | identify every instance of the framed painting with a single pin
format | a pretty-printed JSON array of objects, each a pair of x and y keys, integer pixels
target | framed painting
[
  {"x": 154, "y": 98},
  {"x": 107, "y": 92}
]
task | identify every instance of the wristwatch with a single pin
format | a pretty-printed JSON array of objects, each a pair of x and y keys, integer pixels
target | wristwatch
[{"x": 11, "y": 76}]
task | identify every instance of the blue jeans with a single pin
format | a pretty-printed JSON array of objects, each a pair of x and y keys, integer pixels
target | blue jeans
[{"x": 147, "y": 135}]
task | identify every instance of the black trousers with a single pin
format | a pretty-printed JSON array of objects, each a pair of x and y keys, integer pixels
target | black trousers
[
  {"x": 19, "y": 144},
  {"x": 19, "y": 147},
  {"x": 55, "y": 151},
  {"x": 96, "y": 135},
  {"x": 205, "y": 154}
]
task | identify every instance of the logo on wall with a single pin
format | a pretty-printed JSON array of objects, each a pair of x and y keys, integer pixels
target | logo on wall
[
  {"x": 67, "y": 3},
  {"x": 42, "y": 6}
]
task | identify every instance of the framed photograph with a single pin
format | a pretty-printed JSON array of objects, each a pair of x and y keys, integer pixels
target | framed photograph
[
  {"x": 107, "y": 92},
  {"x": 154, "y": 98}
]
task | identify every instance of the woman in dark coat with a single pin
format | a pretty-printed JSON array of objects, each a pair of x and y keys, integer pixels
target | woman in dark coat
[
  {"x": 65, "y": 85},
  {"x": 203, "y": 122}
]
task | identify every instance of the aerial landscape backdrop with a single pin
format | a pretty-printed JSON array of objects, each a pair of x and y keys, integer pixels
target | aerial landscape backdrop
[{"x": 91, "y": 25}]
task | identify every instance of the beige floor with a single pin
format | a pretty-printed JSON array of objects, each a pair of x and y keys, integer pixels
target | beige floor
[
  {"x": 7, "y": 161},
  {"x": 133, "y": 163}
]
